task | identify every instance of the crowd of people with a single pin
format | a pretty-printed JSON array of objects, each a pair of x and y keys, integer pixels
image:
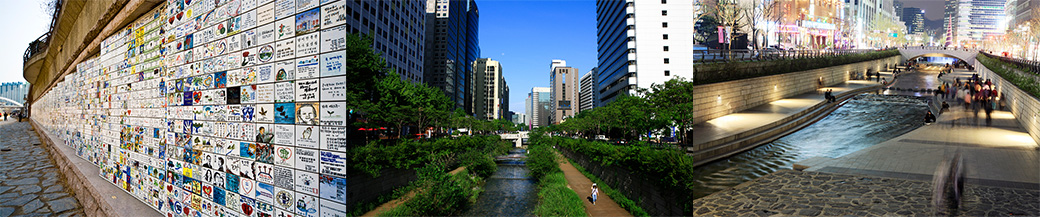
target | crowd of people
[{"x": 974, "y": 94}]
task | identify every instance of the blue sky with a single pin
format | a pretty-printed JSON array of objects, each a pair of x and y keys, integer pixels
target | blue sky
[
  {"x": 23, "y": 22},
  {"x": 525, "y": 36}
]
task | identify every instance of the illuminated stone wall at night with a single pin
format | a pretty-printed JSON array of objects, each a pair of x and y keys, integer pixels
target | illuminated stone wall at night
[{"x": 218, "y": 108}]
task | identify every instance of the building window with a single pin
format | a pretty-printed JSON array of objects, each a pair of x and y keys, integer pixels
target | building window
[
  {"x": 667, "y": 73},
  {"x": 666, "y": 61},
  {"x": 664, "y": 24},
  {"x": 665, "y": 36},
  {"x": 664, "y": 12},
  {"x": 665, "y": 48}
]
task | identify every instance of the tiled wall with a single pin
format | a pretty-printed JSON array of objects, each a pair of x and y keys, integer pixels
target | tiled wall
[{"x": 217, "y": 108}]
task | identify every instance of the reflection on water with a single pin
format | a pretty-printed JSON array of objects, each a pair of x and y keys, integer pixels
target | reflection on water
[
  {"x": 863, "y": 121},
  {"x": 510, "y": 191}
]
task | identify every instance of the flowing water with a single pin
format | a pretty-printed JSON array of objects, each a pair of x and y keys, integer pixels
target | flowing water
[
  {"x": 863, "y": 121},
  {"x": 510, "y": 191}
]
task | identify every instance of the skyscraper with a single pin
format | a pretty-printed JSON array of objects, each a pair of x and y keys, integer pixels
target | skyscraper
[
  {"x": 968, "y": 22},
  {"x": 397, "y": 30},
  {"x": 665, "y": 32},
  {"x": 587, "y": 92},
  {"x": 490, "y": 96},
  {"x": 537, "y": 107},
  {"x": 564, "y": 83},
  {"x": 914, "y": 20},
  {"x": 14, "y": 91},
  {"x": 451, "y": 42}
]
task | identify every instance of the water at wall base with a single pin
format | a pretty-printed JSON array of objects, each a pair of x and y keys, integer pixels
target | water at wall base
[{"x": 864, "y": 121}]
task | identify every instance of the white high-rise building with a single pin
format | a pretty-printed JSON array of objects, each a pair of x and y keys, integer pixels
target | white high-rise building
[
  {"x": 659, "y": 34},
  {"x": 14, "y": 91},
  {"x": 537, "y": 107},
  {"x": 489, "y": 95},
  {"x": 587, "y": 91}
]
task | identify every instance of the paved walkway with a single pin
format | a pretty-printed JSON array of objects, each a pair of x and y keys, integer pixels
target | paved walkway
[
  {"x": 762, "y": 115},
  {"x": 789, "y": 192},
  {"x": 30, "y": 183},
  {"x": 605, "y": 206},
  {"x": 1002, "y": 154}
]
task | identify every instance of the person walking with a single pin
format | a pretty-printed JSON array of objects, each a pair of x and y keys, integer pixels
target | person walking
[{"x": 595, "y": 193}]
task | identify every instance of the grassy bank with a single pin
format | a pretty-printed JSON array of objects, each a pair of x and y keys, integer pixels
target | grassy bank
[
  {"x": 440, "y": 194},
  {"x": 437, "y": 193},
  {"x": 554, "y": 198}
]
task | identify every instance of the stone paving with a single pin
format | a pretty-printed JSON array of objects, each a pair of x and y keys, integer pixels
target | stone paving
[
  {"x": 30, "y": 183},
  {"x": 789, "y": 192}
]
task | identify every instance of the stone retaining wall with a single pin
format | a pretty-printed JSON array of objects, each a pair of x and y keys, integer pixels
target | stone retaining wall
[
  {"x": 720, "y": 99},
  {"x": 637, "y": 187},
  {"x": 1025, "y": 107},
  {"x": 363, "y": 188}
]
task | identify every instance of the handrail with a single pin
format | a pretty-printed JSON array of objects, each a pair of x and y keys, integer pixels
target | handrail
[
  {"x": 36, "y": 47},
  {"x": 1030, "y": 66},
  {"x": 713, "y": 56},
  {"x": 40, "y": 44}
]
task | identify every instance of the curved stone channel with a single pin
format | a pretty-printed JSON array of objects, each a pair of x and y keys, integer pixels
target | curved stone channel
[
  {"x": 863, "y": 121},
  {"x": 510, "y": 191}
]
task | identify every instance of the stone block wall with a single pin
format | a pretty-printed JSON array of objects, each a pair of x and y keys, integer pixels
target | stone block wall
[
  {"x": 363, "y": 188},
  {"x": 720, "y": 99},
  {"x": 1025, "y": 107}
]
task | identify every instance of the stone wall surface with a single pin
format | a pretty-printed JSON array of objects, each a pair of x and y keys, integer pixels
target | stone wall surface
[
  {"x": 1025, "y": 107},
  {"x": 720, "y": 99}
]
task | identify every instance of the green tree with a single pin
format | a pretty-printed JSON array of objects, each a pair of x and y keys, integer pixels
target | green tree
[
  {"x": 673, "y": 101},
  {"x": 632, "y": 116}
]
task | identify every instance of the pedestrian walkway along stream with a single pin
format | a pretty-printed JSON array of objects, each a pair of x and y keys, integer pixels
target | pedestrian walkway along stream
[{"x": 30, "y": 183}]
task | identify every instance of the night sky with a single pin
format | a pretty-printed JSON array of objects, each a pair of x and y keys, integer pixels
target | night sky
[{"x": 933, "y": 11}]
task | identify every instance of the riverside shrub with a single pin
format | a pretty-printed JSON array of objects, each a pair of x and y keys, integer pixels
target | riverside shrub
[
  {"x": 407, "y": 154},
  {"x": 1026, "y": 83}
]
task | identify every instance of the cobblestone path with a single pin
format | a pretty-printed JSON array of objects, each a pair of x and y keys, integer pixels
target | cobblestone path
[
  {"x": 789, "y": 192},
  {"x": 30, "y": 183}
]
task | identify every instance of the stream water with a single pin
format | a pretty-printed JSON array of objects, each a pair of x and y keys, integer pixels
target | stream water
[
  {"x": 510, "y": 191},
  {"x": 862, "y": 122}
]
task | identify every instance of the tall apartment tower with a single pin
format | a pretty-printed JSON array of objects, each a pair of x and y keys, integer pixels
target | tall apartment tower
[
  {"x": 490, "y": 96},
  {"x": 451, "y": 42},
  {"x": 564, "y": 83},
  {"x": 659, "y": 34},
  {"x": 587, "y": 91},
  {"x": 537, "y": 107},
  {"x": 14, "y": 91},
  {"x": 397, "y": 29},
  {"x": 969, "y": 22}
]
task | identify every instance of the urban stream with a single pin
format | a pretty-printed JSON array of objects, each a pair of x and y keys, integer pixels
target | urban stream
[
  {"x": 510, "y": 191},
  {"x": 863, "y": 121}
]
